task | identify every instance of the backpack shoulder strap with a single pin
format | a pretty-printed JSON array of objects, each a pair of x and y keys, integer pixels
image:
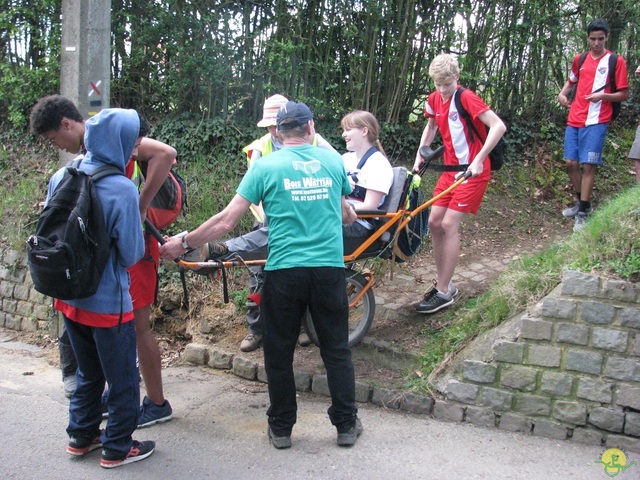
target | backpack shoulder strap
[
  {"x": 458, "y": 99},
  {"x": 583, "y": 57},
  {"x": 464, "y": 114},
  {"x": 105, "y": 171},
  {"x": 75, "y": 163},
  {"x": 613, "y": 62},
  {"x": 366, "y": 156}
]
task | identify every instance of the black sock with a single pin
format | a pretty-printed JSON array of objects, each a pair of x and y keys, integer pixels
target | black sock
[
  {"x": 578, "y": 195},
  {"x": 584, "y": 206}
]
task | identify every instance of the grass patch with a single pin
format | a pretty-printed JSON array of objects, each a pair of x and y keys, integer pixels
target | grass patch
[{"x": 608, "y": 246}]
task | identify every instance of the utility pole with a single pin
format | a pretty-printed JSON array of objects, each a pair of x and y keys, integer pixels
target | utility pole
[
  {"x": 85, "y": 65},
  {"x": 86, "y": 54}
]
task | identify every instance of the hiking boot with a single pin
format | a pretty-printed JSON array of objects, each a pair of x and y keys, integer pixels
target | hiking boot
[
  {"x": 303, "y": 339},
  {"x": 79, "y": 446},
  {"x": 213, "y": 250},
  {"x": 434, "y": 301},
  {"x": 581, "y": 221},
  {"x": 250, "y": 343},
  {"x": 348, "y": 438},
  {"x": 573, "y": 211},
  {"x": 150, "y": 413},
  {"x": 138, "y": 451},
  {"x": 69, "y": 385},
  {"x": 279, "y": 442}
]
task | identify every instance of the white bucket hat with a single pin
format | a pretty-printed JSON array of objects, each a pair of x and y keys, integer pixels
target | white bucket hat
[{"x": 270, "y": 110}]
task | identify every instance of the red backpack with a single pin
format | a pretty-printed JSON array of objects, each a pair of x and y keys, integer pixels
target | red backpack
[{"x": 170, "y": 200}]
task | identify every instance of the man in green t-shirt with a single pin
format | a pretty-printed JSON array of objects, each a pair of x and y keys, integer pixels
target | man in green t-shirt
[{"x": 302, "y": 189}]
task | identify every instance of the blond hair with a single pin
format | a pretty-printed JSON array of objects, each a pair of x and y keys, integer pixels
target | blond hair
[
  {"x": 444, "y": 67},
  {"x": 362, "y": 119}
]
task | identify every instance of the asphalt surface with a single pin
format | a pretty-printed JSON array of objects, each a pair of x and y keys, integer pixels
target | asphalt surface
[{"x": 219, "y": 432}]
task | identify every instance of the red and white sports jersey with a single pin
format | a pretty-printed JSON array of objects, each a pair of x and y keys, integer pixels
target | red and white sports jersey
[
  {"x": 460, "y": 149},
  {"x": 593, "y": 74}
]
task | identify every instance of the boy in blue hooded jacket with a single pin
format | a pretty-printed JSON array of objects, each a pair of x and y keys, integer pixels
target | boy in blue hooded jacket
[{"x": 100, "y": 327}]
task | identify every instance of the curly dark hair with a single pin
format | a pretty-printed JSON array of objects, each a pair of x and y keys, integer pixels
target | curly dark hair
[{"x": 47, "y": 113}]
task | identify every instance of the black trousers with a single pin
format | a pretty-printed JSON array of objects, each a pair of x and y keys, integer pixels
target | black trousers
[{"x": 287, "y": 294}]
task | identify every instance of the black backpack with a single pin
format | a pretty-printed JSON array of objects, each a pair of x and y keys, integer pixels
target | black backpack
[
  {"x": 411, "y": 237},
  {"x": 497, "y": 156},
  {"x": 613, "y": 61},
  {"x": 70, "y": 248}
]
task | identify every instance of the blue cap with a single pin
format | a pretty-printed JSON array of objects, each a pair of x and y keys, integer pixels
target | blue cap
[{"x": 292, "y": 115}]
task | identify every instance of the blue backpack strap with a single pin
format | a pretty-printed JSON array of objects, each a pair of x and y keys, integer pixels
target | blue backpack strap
[{"x": 366, "y": 156}]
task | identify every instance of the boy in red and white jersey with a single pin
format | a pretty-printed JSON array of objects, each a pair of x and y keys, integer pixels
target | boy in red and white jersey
[
  {"x": 462, "y": 147},
  {"x": 589, "y": 115}
]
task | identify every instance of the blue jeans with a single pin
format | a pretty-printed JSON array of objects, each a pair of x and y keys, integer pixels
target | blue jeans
[
  {"x": 105, "y": 354},
  {"x": 287, "y": 294}
]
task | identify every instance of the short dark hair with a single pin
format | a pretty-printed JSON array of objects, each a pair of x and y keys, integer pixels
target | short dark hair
[
  {"x": 599, "y": 24},
  {"x": 296, "y": 132},
  {"x": 47, "y": 113},
  {"x": 145, "y": 127}
]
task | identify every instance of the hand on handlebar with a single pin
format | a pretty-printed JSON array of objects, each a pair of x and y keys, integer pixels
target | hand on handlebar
[{"x": 465, "y": 174}]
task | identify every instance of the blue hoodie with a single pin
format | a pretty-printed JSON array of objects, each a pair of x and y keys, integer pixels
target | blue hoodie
[{"x": 109, "y": 139}]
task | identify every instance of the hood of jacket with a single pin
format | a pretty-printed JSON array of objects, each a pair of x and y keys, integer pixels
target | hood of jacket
[{"x": 110, "y": 137}]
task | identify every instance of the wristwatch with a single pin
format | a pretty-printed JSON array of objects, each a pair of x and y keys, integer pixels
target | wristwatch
[{"x": 185, "y": 245}]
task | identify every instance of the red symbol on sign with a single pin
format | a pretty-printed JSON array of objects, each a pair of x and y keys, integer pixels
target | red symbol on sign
[{"x": 94, "y": 88}]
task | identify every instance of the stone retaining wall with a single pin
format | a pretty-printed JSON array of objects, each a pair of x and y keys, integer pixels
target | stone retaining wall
[
  {"x": 573, "y": 372},
  {"x": 21, "y": 307}
]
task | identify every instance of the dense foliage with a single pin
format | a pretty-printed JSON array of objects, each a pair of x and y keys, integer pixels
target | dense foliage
[{"x": 219, "y": 60}]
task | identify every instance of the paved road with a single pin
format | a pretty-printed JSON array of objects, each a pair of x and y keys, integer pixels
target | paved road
[{"x": 219, "y": 433}]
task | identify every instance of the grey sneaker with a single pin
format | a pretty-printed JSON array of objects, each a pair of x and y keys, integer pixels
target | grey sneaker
[
  {"x": 581, "y": 221},
  {"x": 250, "y": 343},
  {"x": 573, "y": 211},
  {"x": 279, "y": 442},
  {"x": 150, "y": 413},
  {"x": 453, "y": 291},
  {"x": 434, "y": 301},
  {"x": 348, "y": 438},
  {"x": 69, "y": 385}
]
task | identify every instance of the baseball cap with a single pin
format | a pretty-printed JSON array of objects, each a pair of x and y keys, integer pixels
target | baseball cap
[
  {"x": 292, "y": 115},
  {"x": 270, "y": 110}
]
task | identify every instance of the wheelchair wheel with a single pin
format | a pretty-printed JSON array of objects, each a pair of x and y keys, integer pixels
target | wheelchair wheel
[{"x": 360, "y": 315}]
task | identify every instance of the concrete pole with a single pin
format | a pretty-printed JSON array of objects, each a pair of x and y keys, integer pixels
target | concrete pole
[
  {"x": 86, "y": 54},
  {"x": 85, "y": 66}
]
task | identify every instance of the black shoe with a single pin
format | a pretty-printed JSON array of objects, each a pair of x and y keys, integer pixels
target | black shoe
[
  {"x": 434, "y": 301},
  {"x": 79, "y": 446},
  {"x": 279, "y": 442},
  {"x": 138, "y": 451},
  {"x": 348, "y": 438},
  {"x": 213, "y": 250}
]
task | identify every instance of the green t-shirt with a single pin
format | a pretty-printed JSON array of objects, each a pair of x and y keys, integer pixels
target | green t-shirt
[{"x": 301, "y": 190}]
